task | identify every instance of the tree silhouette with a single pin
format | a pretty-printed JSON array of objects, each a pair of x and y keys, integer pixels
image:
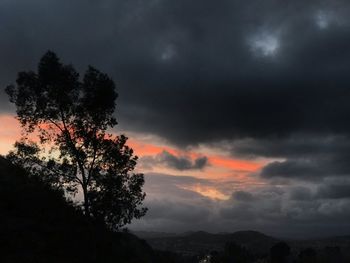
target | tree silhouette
[{"x": 75, "y": 151}]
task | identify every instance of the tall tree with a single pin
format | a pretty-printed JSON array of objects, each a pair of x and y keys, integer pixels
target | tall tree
[{"x": 71, "y": 117}]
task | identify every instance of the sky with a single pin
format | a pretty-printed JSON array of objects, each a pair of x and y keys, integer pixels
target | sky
[{"x": 238, "y": 110}]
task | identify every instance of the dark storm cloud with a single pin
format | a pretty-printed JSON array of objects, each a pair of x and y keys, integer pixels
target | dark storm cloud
[
  {"x": 295, "y": 146},
  {"x": 175, "y": 162},
  {"x": 243, "y": 196},
  {"x": 300, "y": 193},
  {"x": 309, "y": 169},
  {"x": 218, "y": 88},
  {"x": 295, "y": 169},
  {"x": 305, "y": 157},
  {"x": 334, "y": 191},
  {"x": 195, "y": 72}
]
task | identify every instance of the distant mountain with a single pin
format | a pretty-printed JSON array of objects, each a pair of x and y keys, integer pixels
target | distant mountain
[
  {"x": 258, "y": 244},
  {"x": 152, "y": 234},
  {"x": 193, "y": 243},
  {"x": 253, "y": 240}
]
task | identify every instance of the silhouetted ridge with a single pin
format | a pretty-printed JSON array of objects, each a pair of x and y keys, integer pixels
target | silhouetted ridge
[
  {"x": 38, "y": 225},
  {"x": 255, "y": 241},
  {"x": 191, "y": 243}
]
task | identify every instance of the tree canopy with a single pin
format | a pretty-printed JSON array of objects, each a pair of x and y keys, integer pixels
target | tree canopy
[{"x": 75, "y": 150}]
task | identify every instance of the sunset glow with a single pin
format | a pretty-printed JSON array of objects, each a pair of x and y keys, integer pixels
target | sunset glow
[
  {"x": 9, "y": 132},
  {"x": 219, "y": 168},
  {"x": 207, "y": 191}
]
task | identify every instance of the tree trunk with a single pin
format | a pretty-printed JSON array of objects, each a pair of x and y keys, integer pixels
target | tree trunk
[{"x": 86, "y": 201}]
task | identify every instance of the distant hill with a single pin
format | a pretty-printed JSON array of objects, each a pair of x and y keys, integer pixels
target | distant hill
[
  {"x": 152, "y": 234},
  {"x": 38, "y": 225},
  {"x": 193, "y": 243},
  {"x": 202, "y": 243}
]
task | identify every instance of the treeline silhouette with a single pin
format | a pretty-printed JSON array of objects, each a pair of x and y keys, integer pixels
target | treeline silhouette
[{"x": 279, "y": 253}]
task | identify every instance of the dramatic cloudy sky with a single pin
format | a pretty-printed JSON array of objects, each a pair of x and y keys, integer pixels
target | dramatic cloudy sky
[{"x": 239, "y": 110}]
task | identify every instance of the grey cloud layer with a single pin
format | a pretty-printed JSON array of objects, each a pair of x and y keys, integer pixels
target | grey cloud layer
[
  {"x": 305, "y": 156},
  {"x": 292, "y": 211}
]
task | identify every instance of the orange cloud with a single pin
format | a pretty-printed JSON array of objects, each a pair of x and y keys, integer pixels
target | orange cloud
[
  {"x": 220, "y": 166},
  {"x": 143, "y": 149},
  {"x": 236, "y": 164}
]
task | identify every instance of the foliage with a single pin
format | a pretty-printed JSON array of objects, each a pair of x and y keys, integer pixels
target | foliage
[{"x": 75, "y": 152}]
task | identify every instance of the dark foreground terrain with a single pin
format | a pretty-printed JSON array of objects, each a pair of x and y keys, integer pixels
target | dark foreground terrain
[{"x": 38, "y": 225}]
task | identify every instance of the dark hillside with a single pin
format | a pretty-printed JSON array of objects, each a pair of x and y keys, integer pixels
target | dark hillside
[
  {"x": 38, "y": 225},
  {"x": 255, "y": 241}
]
